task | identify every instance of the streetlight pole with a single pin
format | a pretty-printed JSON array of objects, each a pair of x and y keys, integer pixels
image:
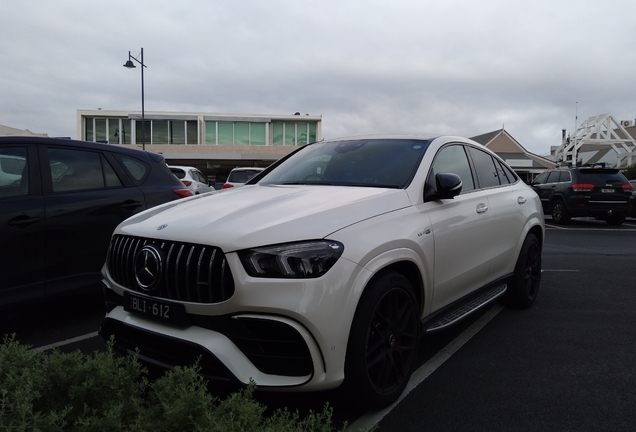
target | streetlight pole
[{"x": 130, "y": 65}]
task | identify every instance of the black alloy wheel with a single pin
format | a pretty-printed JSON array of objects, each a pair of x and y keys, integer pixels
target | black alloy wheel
[
  {"x": 383, "y": 342},
  {"x": 524, "y": 287}
]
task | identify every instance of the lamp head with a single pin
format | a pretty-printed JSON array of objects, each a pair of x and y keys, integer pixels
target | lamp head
[{"x": 129, "y": 64}]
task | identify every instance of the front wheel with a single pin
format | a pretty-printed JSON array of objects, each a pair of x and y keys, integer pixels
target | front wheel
[
  {"x": 383, "y": 343},
  {"x": 524, "y": 287}
]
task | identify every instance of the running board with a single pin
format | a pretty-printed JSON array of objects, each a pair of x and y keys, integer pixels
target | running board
[{"x": 467, "y": 308}]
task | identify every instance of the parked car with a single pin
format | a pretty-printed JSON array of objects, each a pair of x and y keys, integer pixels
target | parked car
[
  {"x": 240, "y": 176},
  {"x": 326, "y": 270},
  {"x": 63, "y": 203},
  {"x": 588, "y": 190},
  {"x": 192, "y": 178}
]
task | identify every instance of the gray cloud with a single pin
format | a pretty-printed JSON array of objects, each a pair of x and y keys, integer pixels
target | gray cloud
[{"x": 455, "y": 67}]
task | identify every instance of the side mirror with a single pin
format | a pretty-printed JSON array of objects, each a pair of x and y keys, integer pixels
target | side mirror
[{"x": 447, "y": 186}]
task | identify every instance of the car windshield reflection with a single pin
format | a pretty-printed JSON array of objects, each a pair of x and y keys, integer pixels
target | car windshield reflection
[{"x": 384, "y": 163}]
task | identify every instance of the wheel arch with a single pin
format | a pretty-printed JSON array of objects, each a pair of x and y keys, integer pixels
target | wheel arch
[
  {"x": 538, "y": 232},
  {"x": 411, "y": 272}
]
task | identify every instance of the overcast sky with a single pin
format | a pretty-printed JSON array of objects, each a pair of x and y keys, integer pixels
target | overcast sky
[{"x": 418, "y": 66}]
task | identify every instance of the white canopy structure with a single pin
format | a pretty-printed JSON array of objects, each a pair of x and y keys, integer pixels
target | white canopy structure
[{"x": 602, "y": 134}]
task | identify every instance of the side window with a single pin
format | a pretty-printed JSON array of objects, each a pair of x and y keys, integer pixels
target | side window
[
  {"x": 541, "y": 179},
  {"x": 553, "y": 177},
  {"x": 14, "y": 175},
  {"x": 485, "y": 168},
  {"x": 512, "y": 176},
  {"x": 505, "y": 176},
  {"x": 565, "y": 177},
  {"x": 135, "y": 168},
  {"x": 73, "y": 170},
  {"x": 453, "y": 159},
  {"x": 109, "y": 174}
]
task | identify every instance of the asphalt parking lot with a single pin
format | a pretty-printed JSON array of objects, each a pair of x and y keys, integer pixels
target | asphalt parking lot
[{"x": 565, "y": 364}]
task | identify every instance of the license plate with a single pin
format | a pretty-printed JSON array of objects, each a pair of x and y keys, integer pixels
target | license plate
[
  {"x": 158, "y": 309},
  {"x": 607, "y": 190}
]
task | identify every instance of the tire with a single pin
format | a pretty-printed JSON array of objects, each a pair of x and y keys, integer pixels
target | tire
[
  {"x": 560, "y": 214},
  {"x": 382, "y": 344},
  {"x": 616, "y": 220},
  {"x": 524, "y": 286}
]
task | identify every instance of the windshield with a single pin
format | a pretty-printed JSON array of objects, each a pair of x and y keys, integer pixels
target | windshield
[{"x": 389, "y": 163}]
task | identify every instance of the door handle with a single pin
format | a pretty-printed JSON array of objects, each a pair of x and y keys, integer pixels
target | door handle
[
  {"x": 131, "y": 205},
  {"x": 482, "y": 208},
  {"x": 23, "y": 221}
]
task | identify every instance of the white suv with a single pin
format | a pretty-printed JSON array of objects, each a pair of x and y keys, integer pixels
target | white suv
[
  {"x": 192, "y": 178},
  {"x": 239, "y": 176},
  {"x": 326, "y": 272}
]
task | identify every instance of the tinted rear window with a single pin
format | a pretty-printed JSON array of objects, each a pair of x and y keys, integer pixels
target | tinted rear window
[
  {"x": 595, "y": 176},
  {"x": 242, "y": 176},
  {"x": 178, "y": 172}
]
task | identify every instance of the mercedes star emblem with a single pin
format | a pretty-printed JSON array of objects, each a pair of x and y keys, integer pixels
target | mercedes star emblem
[{"x": 148, "y": 268}]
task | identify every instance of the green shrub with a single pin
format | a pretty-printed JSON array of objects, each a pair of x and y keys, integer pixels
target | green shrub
[{"x": 105, "y": 392}]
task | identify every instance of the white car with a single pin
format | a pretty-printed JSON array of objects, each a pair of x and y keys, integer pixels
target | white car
[
  {"x": 240, "y": 176},
  {"x": 192, "y": 178},
  {"x": 326, "y": 272}
]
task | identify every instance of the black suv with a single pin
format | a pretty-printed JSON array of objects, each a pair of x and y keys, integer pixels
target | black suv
[
  {"x": 588, "y": 190},
  {"x": 60, "y": 201}
]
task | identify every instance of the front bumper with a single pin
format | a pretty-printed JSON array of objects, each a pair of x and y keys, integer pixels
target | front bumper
[{"x": 284, "y": 334}]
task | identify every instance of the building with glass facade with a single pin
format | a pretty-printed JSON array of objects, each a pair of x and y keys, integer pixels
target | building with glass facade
[{"x": 214, "y": 143}]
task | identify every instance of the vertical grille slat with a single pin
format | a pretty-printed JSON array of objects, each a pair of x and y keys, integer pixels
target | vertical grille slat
[
  {"x": 191, "y": 272},
  {"x": 211, "y": 276}
]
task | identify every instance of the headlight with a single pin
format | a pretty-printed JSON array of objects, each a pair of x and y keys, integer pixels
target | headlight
[{"x": 310, "y": 259}]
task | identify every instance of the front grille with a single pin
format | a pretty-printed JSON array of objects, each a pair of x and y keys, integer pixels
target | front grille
[{"x": 190, "y": 272}]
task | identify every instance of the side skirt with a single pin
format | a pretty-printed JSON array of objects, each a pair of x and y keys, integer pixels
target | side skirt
[{"x": 461, "y": 308}]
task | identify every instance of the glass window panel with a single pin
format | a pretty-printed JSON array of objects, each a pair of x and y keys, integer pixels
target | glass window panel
[
  {"x": 257, "y": 133},
  {"x": 485, "y": 168},
  {"x": 100, "y": 130},
  {"x": 553, "y": 177},
  {"x": 113, "y": 131},
  {"x": 75, "y": 169},
  {"x": 177, "y": 132},
  {"x": 89, "y": 129},
  {"x": 210, "y": 132},
  {"x": 125, "y": 131},
  {"x": 241, "y": 133},
  {"x": 290, "y": 133},
  {"x": 312, "y": 132},
  {"x": 453, "y": 159},
  {"x": 134, "y": 167},
  {"x": 139, "y": 128},
  {"x": 160, "y": 132},
  {"x": 302, "y": 133},
  {"x": 192, "y": 136},
  {"x": 14, "y": 175},
  {"x": 109, "y": 174},
  {"x": 226, "y": 133},
  {"x": 565, "y": 177},
  {"x": 277, "y": 133}
]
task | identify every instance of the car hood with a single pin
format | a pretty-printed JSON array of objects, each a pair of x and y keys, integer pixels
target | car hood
[{"x": 257, "y": 215}]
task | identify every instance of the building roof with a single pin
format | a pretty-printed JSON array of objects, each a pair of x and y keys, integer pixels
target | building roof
[
  {"x": 9, "y": 131},
  {"x": 509, "y": 149}
]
